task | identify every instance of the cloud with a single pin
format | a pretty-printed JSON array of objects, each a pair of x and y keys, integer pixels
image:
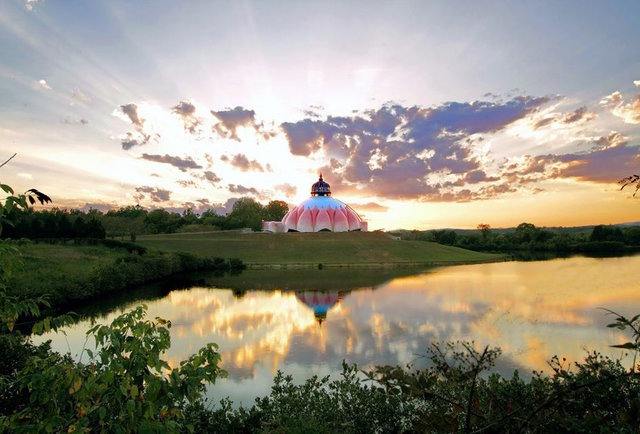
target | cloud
[
  {"x": 240, "y": 161},
  {"x": 25, "y": 175},
  {"x": 395, "y": 149},
  {"x": 154, "y": 193},
  {"x": 131, "y": 111},
  {"x": 232, "y": 119},
  {"x": 30, "y": 4},
  {"x": 130, "y": 140},
  {"x": 288, "y": 189},
  {"x": 77, "y": 96},
  {"x": 610, "y": 158},
  {"x": 211, "y": 177},
  {"x": 187, "y": 111},
  {"x": 81, "y": 121},
  {"x": 241, "y": 189},
  {"x": 580, "y": 114},
  {"x": 184, "y": 183},
  {"x": 181, "y": 163},
  {"x": 370, "y": 206},
  {"x": 42, "y": 84},
  {"x": 601, "y": 165},
  {"x": 628, "y": 112}
]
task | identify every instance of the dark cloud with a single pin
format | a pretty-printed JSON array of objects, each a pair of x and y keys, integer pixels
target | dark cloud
[
  {"x": 241, "y": 189},
  {"x": 142, "y": 137},
  {"x": 187, "y": 111},
  {"x": 186, "y": 183},
  {"x": 181, "y": 163},
  {"x": 608, "y": 161},
  {"x": 131, "y": 110},
  {"x": 601, "y": 165},
  {"x": 130, "y": 140},
  {"x": 211, "y": 177},
  {"x": 472, "y": 177},
  {"x": 231, "y": 119},
  {"x": 395, "y": 148},
  {"x": 153, "y": 193},
  {"x": 578, "y": 115},
  {"x": 240, "y": 161}
]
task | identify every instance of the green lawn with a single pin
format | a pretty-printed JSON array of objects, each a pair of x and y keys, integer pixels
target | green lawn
[{"x": 313, "y": 248}]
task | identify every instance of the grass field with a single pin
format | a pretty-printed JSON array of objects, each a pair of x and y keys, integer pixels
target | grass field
[{"x": 329, "y": 249}]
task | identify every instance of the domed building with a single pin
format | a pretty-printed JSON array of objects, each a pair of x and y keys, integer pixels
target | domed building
[{"x": 319, "y": 213}]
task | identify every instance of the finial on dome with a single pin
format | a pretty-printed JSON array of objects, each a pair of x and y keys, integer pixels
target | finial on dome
[{"x": 320, "y": 188}]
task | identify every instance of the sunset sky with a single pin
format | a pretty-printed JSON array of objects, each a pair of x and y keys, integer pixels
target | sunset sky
[{"x": 419, "y": 114}]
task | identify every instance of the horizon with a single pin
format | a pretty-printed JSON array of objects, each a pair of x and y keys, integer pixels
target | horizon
[{"x": 419, "y": 116}]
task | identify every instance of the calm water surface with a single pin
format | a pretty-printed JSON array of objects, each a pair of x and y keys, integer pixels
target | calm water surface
[{"x": 306, "y": 322}]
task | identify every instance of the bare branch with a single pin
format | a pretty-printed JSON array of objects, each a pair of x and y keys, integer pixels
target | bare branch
[{"x": 10, "y": 158}]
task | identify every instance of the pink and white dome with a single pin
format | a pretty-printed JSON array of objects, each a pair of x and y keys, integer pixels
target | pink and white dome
[{"x": 320, "y": 212}]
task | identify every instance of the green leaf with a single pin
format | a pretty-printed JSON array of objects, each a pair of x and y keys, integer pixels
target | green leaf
[{"x": 6, "y": 188}]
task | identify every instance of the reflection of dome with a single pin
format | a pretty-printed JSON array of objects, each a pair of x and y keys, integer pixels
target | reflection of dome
[
  {"x": 320, "y": 212},
  {"x": 320, "y": 302}
]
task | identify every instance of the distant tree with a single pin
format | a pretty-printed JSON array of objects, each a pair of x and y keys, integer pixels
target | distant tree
[
  {"x": 160, "y": 221},
  {"x": 445, "y": 237},
  {"x": 485, "y": 230},
  {"x": 606, "y": 233},
  {"x": 189, "y": 217},
  {"x": 246, "y": 213},
  {"x": 275, "y": 210}
]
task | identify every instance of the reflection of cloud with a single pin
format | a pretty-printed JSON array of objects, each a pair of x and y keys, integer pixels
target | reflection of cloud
[{"x": 531, "y": 310}]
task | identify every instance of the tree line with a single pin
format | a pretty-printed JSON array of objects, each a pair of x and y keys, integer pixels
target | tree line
[
  {"x": 528, "y": 237},
  {"x": 135, "y": 220}
]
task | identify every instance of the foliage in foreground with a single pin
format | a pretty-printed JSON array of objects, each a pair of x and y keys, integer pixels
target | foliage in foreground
[
  {"x": 452, "y": 395},
  {"x": 125, "y": 386}
]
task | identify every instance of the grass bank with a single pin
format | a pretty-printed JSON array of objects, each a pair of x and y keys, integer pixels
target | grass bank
[
  {"x": 373, "y": 249},
  {"x": 69, "y": 274}
]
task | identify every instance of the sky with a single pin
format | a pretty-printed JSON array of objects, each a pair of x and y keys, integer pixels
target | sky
[{"x": 419, "y": 114}]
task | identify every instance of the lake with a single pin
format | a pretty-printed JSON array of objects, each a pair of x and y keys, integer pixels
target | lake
[{"x": 306, "y": 322}]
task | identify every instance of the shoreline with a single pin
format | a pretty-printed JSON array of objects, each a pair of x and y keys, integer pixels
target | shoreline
[{"x": 370, "y": 265}]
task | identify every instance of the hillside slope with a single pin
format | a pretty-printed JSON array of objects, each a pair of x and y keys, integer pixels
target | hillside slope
[{"x": 330, "y": 249}]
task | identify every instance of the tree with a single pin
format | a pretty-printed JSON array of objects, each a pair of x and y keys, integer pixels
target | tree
[
  {"x": 275, "y": 210},
  {"x": 485, "y": 230},
  {"x": 630, "y": 180},
  {"x": 246, "y": 213}
]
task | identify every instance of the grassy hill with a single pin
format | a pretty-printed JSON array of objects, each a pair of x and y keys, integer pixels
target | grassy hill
[{"x": 329, "y": 249}]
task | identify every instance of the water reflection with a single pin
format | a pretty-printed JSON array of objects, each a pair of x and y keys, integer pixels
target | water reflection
[{"x": 531, "y": 310}]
